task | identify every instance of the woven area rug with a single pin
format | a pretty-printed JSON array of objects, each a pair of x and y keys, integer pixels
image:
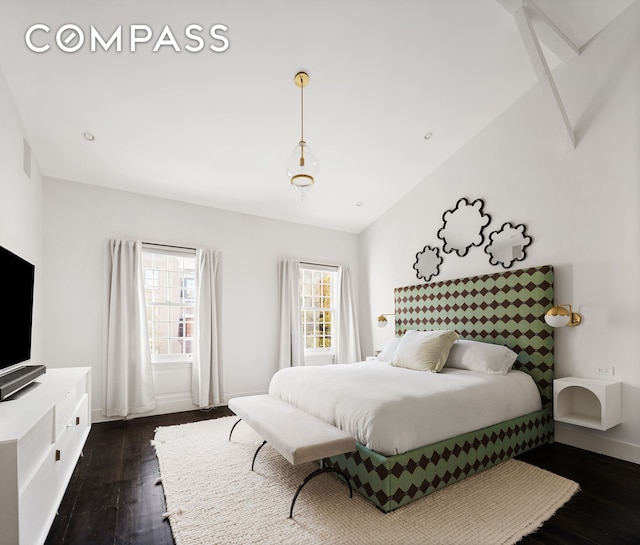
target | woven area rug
[{"x": 213, "y": 497}]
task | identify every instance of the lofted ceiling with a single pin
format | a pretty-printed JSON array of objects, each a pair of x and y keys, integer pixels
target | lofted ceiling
[{"x": 216, "y": 128}]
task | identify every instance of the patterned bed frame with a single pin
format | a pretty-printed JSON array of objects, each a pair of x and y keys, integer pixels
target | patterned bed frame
[{"x": 503, "y": 308}]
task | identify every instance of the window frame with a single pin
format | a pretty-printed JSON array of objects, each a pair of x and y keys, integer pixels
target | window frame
[
  {"x": 171, "y": 251},
  {"x": 333, "y": 308}
]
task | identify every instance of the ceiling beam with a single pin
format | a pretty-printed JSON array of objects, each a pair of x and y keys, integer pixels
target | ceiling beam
[
  {"x": 550, "y": 35},
  {"x": 546, "y": 30},
  {"x": 536, "y": 56}
]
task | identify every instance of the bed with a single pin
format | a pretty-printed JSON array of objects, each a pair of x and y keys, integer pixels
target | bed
[
  {"x": 504, "y": 309},
  {"x": 392, "y": 410}
]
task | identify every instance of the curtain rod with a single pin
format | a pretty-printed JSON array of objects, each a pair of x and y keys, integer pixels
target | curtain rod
[
  {"x": 318, "y": 264},
  {"x": 168, "y": 246}
]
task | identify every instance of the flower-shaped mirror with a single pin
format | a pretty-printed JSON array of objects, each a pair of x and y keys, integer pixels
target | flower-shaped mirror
[
  {"x": 508, "y": 245},
  {"x": 462, "y": 227},
  {"x": 427, "y": 263}
]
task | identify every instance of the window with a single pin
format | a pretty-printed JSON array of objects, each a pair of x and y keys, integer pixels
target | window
[
  {"x": 170, "y": 294},
  {"x": 317, "y": 296}
]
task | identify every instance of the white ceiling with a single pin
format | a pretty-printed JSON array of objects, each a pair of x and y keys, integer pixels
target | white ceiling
[{"x": 216, "y": 128}]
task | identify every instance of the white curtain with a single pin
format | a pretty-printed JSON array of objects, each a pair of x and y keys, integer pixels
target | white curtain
[
  {"x": 291, "y": 347},
  {"x": 129, "y": 379},
  {"x": 348, "y": 342},
  {"x": 206, "y": 383}
]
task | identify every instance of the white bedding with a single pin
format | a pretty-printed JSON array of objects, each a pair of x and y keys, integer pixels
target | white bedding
[{"x": 392, "y": 410}]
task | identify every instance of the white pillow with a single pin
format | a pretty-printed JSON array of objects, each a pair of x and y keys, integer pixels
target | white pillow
[
  {"x": 493, "y": 359},
  {"x": 389, "y": 350},
  {"x": 424, "y": 350}
]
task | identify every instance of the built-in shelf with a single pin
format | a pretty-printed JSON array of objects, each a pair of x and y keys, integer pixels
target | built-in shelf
[{"x": 591, "y": 403}]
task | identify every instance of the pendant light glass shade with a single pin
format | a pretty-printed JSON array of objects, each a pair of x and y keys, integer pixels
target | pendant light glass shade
[{"x": 302, "y": 168}]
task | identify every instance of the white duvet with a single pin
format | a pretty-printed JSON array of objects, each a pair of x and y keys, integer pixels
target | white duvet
[{"x": 392, "y": 410}]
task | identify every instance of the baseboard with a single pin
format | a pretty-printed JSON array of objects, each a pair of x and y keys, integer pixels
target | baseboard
[
  {"x": 242, "y": 394},
  {"x": 166, "y": 404},
  {"x": 597, "y": 443}
]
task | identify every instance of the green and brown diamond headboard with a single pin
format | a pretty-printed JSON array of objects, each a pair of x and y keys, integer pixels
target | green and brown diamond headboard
[{"x": 504, "y": 308}]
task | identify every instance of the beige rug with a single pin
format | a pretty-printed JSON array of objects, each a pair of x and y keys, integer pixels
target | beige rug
[{"x": 214, "y": 498}]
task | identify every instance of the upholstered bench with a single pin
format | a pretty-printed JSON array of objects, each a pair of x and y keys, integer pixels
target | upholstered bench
[{"x": 298, "y": 436}]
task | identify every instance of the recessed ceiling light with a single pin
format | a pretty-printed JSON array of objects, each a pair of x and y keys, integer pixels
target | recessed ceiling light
[
  {"x": 359, "y": 203},
  {"x": 428, "y": 135},
  {"x": 88, "y": 136}
]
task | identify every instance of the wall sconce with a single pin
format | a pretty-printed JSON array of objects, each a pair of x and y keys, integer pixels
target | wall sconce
[
  {"x": 559, "y": 316},
  {"x": 382, "y": 321}
]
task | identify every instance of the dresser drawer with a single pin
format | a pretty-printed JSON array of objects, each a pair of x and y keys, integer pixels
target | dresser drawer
[
  {"x": 38, "y": 501},
  {"x": 82, "y": 419},
  {"x": 63, "y": 411},
  {"x": 66, "y": 454},
  {"x": 32, "y": 445},
  {"x": 81, "y": 389}
]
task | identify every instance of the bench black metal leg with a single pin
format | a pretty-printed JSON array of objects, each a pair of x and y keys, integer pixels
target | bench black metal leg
[
  {"x": 234, "y": 427},
  {"x": 256, "y": 454},
  {"x": 315, "y": 474}
]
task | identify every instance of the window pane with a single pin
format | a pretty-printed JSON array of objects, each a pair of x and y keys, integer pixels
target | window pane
[
  {"x": 162, "y": 329},
  {"x": 159, "y": 261},
  {"x": 175, "y": 279},
  {"x": 186, "y": 327},
  {"x": 188, "y": 293},
  {"x": 159, "y": 295},
  {"x": 149, "y": 278},
  {"x": 175, "y": 346},
  {"x": 161, "y": 278},
  {"x": 160, "y": 347}
]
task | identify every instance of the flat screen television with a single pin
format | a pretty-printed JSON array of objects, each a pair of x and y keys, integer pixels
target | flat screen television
[{"x": 17, "y": 297}]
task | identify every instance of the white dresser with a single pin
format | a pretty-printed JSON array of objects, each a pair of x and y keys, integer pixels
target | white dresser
[{"x": 42, "y": 433}]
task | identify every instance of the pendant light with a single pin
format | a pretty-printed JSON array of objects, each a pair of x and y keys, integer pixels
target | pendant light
[{"x": 302, "y": 165}]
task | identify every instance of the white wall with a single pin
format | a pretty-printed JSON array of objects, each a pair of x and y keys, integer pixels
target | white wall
[
  {"x": 80, "y": 218},
  {"x": 21, "y": 206},
  {"x": 581, "y": 207}
]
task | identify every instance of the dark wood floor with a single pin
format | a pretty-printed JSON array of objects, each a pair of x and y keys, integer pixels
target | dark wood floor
[{"x": 113, "y": 498}]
